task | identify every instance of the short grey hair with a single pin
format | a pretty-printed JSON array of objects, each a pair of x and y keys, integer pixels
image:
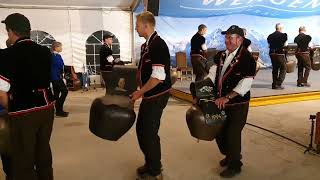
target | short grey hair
[
  {"x": 279, "y": 26},
  {"x": 302, "y": 28},
  {"x": 55, "y": 44}
]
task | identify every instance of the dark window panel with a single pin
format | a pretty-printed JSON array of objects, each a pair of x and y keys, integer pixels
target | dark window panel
[
  {"x": 115, "y": 40},
  {"x": 98, "y": 34},
  {"x": 42, "y": 38},
  {"x": 90, "y": 59},
  {"x": 98, "y": 69},
  {"x": 93, "y": 39},
  {"x": 116, "y": 49},
  {"x": 97, "y": 48},
  {"x": 89, "y": 49},
  {"x": 97, "y": 56}
]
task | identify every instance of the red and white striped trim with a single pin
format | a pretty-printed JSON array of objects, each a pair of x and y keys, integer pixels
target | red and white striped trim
[
  {"x": 159, "y": 94},
  {"x": 158, "y": 65},
  {"x": 5, "y": 79},
  {"x": 45, "y": 95},
  {"x": 248, "y": 77},
  {"x": 22, "y": 112}
]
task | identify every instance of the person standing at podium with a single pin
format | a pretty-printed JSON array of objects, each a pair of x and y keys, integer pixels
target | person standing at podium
[{"x": 106, "y": 58}]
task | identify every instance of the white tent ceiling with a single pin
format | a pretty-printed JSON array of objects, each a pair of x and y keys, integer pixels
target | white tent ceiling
[{"x": 117, "y": 4}]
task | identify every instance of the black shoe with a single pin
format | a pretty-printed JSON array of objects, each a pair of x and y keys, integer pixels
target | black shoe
[
  {"x": 306, "y": 84},
  {"x": 300, "y": 85},
  {"x": 144, "y": 169},
  {"x": 224, "y": 162},
  {"x": 230, "y": 172},
  {"x": 62, "y": 114},
  {"x": 277, "y": 87},
  {"x": 147, "y": 176}
]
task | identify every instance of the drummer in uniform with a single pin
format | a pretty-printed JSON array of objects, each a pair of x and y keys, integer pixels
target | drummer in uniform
[
  {"x": 154, "y": 80},
  {"x": 26, "y": 67},
  {"x": 303, "y": 55},
  {"x": 233, "y": 79}
]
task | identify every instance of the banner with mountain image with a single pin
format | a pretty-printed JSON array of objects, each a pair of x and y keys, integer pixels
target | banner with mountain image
[
  {"x": 265, "y": 8},
  {"x": 177, "y": 32}
]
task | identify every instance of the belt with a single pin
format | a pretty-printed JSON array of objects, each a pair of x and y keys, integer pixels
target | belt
[{"x": 305, "y": 52}]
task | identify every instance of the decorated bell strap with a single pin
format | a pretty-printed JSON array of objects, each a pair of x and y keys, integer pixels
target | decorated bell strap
[
  {"x": 202, "y": 89},
  {"x": 212, "y": 114}
]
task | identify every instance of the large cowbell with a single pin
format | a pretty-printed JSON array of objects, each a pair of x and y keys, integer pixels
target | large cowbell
[
  {"x": 113, "y": 115},
  {"x": 205, "y": 120}
]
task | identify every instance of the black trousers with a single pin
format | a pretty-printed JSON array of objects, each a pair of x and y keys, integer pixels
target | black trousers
[
  {"x": 279, "y": 69},
  {"x": 304, "y": 67},
  {"x": 31, "y": 152},
  {"x": 60, "y": 93},
  {"x": 148, "y": 123},
  {"x": 229, "y": 140},
  {"x": 199, "y": 67}
]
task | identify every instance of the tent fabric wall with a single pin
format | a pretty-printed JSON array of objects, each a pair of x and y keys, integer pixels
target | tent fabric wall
[{"x": 73, "y": 27}]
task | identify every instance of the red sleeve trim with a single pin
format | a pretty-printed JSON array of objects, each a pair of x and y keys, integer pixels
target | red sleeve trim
[
  {"x": 4, "y": 78},
  {"x": 158, "y": 65}
]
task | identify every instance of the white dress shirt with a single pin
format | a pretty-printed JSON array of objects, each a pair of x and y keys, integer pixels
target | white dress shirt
[
  {"x": 243, "y": 86},
  {"x": 4, "y": 85},
  {"x": 158, "y": 71}
]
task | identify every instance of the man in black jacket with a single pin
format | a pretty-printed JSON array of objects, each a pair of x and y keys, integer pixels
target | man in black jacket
[
  {"x": 303, "y": 56},
  {"x": 106, "y": 58},
  {"x": 233, "y": 79},
  {"x": 155, "y": 83},
  {"x": 199, "y": 53},
  {"x": 277, "y": 41},
  {"x": 4, "y": 88},
  {"x": 27, "y": 67}
]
